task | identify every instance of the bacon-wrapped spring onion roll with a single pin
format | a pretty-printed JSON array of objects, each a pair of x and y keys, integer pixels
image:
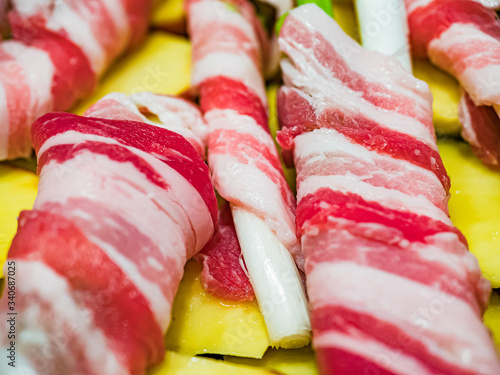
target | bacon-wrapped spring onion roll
[
  {"x": 223, "y": 274},
  {"x": 463, "y": 38},
  {"x": 121, "y": 206},
  {"x": 59, "y": 50},
  {"x": 228, "y": 51},
  {"x": 389, "y": 277}
]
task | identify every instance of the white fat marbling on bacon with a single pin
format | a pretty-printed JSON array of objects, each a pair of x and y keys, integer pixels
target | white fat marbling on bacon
[
  {"x": 33, "y": 335},
  {"x": 139, "y": 217},
  {"x": 120, "y": 183},
  {"x": 412, "y": 5},
  {"x": 238, "y": 67},
  {"x": 212, "y": 57},
  {"x": 228, "y": 119},
  {"x": 175, "y": 114},
  {"x": 193, "y": 212},
  {"x": 31, "y": 7},
  {"x": 77, "y": 20},
  {"x": 101, "y": 36},
  {"x": 446, "y": 250},
  {"x": 384, "y": 356},
  {"x": 332, "y": 94},
  {"x": 353, "y": 266},
  {"x": 358, "y": 288},
  {"x": 157, "y": 226},
  {"x": 39, "y": 76},
  {"x": 493, "y": 4},
  {"x": 79, "y": 32},
  {"x": 241, "y": 154},
  {"x": 468, "y": 46},
  {"x": 468, "y": 131},
  {"x": 245, "y": 184},
  {"x": 77, "y": 177},
  {"x": 386, "y": 72},
  {"x": 486, "y": 81},
  {"x": 322, "y": 145},
  {"x": 4, "y": 124},
  {"x": 391, "y": 198},
  {"x": 117, "y": 12},
  {"x": 214, "y": 13},
  {"x": 28, "y": 93},
  {"x": 440, "y": 251},
  {"x": 116, "y": 106}
]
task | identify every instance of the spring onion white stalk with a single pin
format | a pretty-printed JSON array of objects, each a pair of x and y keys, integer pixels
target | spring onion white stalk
[
  {"x": 275, "y": 280},
  {"x": 383, "y": 26}
]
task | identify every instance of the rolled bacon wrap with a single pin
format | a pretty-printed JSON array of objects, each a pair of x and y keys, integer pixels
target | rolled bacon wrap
[
  {"x": 463, "y": 38},
  {"x": 228, "y": 54},
  {"x": 389, "y": 278},
  {"x": 481, "y": 128},
  {"x": 121, "y": 206},
  {"x": 58, "y": 51}
]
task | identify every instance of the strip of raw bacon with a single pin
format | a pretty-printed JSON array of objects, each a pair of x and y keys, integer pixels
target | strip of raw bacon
[
  {"x": 121, "y": 206},
  {"x": 388, "y": 276},
  {"x": 241, "y": 153},
  {"x": 463, "y": 38},
  {"x": 481, "y": 128},
  {"x": 223, "y": 274},
  {"x": 60, "y": 49},
  {"x": 228, "y": 60}
]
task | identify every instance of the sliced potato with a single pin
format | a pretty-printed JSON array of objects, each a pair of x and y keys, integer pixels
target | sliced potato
[
  {"x": 18, "y": 189},
  {"x": 202, "y": 323},
  {"x": 475, "y": 204},
  {"x": 492, "y": 317},
  {"x": 446, "y": 92},
  {"x": 289, "y": 362},
  {"x": 344, "y": 14},
  {"x": 162, "y": 64},
  {"x": 178, "y": 364}
]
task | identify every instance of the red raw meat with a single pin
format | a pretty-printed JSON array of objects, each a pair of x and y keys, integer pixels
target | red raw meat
[
  {"x": 121, "y": 206},
  {"x": 389, "y": 277},
  {"x": 229, "y": 54},
  {"x": 481, "y": 128},
  {"x": 223, "y": 275}
]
